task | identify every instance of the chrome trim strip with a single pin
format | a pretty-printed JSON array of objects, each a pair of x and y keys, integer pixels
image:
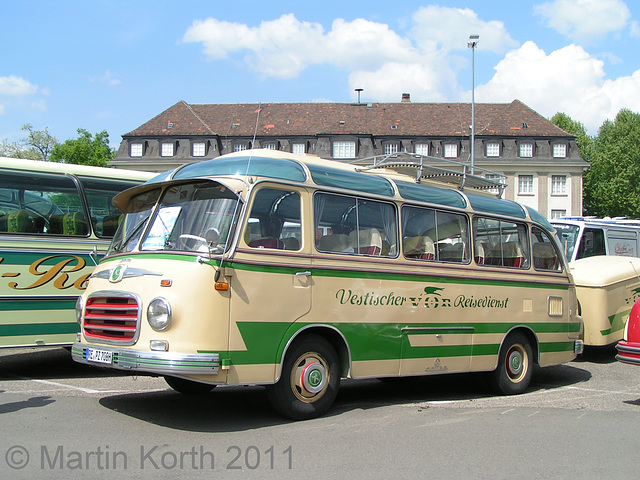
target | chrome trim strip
[{"x": 162, "y": 363}]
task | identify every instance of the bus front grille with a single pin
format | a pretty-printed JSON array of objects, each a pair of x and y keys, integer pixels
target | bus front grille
[{"x": 111, "y": 319}]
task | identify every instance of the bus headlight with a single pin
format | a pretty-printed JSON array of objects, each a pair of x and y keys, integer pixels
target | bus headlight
[
  {"x": 79, "y": 307},
  {"x": 159, "y": 314}
]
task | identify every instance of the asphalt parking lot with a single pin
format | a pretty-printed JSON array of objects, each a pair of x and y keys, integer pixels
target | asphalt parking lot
[{"x": 62, "y": 418}]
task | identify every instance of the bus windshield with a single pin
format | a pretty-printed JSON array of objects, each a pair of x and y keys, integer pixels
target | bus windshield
[
  {"x": 568, "y": 236},
  {"x": 193, "y": 217}
]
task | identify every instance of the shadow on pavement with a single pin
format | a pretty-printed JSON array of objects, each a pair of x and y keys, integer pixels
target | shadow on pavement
[{"x": 234, "y": 408}]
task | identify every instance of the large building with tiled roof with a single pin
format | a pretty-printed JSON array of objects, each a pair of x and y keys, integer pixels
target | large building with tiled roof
[{"x": 541, "y": 162}]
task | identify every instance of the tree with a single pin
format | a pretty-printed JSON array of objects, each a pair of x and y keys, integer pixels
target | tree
[
  {"x": 17, "y": 150},
  {"x": 85, "y": 150},
  {"x": 40, "y": 143},
  {"x": 612, "y": 182},
  {"x": 584, "y": 141}
]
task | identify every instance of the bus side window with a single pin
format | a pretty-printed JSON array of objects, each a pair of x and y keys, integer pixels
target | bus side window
[
  {"x": 354, "y": 225},
  {"x": 545, "y": 256},
  {"x": 592, "y": 243},
  {"x": 274, "y": 221},
  {"x": 500, "y": 243}
]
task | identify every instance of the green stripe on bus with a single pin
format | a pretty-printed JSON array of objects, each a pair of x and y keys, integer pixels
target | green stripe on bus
[
  {"x": 38, "y": 329},
  {"x": 29, "y": 304},
  {"x": 382, "y": 341}
]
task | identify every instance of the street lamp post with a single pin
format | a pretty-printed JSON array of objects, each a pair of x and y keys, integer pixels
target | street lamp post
[{"x": 473, "y": 43}]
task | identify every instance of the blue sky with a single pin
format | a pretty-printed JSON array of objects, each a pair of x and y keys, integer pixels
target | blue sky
[{"x": 113, "y": 65}]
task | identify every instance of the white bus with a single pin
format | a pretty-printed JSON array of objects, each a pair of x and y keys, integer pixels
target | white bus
[
  {"x": 263, "y": 267},
  {"x": 53, "y": 217}
]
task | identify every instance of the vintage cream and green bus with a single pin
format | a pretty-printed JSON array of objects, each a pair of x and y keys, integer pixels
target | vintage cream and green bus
[
  {"x": 264, "y": 267},
  {"x": 52, "y": 218}
]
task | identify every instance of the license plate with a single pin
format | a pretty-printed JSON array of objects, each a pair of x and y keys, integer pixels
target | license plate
[{"x": 99, "y": 356}]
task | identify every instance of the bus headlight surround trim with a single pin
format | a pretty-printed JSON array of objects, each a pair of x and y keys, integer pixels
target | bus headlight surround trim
[
  {"x": 159, "y": 314},
  {"x": 79, "y": 309}
]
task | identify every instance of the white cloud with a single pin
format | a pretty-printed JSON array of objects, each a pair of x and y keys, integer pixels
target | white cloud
[
  {"x": 567, "y": 80},
  {"x": 14, "y": 86},
  {"x": 584, "y": 20},
  {"x": 449, "y": 29},
  {"x": 1, "y": 109}
]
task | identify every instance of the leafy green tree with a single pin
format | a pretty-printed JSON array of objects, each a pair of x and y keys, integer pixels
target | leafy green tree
[
  {"x": 85, "y": 150},
  {"x": 39, "y": 143},
  {"x": 612, "y": 182},
  {"x": 584, "y": 141}
]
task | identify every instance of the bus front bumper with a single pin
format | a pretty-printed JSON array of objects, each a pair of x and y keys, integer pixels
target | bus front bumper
[{"x": 161, "y": 363}]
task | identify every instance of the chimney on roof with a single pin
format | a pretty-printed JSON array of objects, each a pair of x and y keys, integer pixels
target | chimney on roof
[{"x": 406, "y": 98}]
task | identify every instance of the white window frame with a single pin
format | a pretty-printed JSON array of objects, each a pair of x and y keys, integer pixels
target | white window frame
[
  {"x": 167, "y": 149},
  {"x": 421, "y": 149},
  {"x": 493, "y": 149},
  {"x": 198, "y": 149},
  {"x": 391, "y": 148},
  {"x": 525, "y": 184},
  {"x": 525, "y": 150},
  {"x": 450, "y": 150},
  {"x": 558, "y": 184},
  {"x": 496, "y": 177},
  {"x": 136, "y": 150},
  {"x": 559, "y": 150},
  {"x": 558, "y": 213},
  {"x": 344, "y": 149},
  {"x": 269, "y": 146},
  {"x": 240, "y": 147},
  {"x": 298, "y": 148}
]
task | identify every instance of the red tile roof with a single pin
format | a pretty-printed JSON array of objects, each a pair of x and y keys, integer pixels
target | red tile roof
[{"x": 380, "y": 119}]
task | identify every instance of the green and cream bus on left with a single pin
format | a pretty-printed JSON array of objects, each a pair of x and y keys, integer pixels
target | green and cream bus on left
[
  {"x": 263, "y": 267},
  {"x": 53, "y": 218}
]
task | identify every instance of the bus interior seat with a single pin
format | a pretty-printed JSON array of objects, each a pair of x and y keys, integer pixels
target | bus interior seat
[
  {"x": 20, "y": 222},
  {"x": 451, "y": 252},
  {"x": 110, "y": 224},
  {"x": 291, "y": 243},
  {"x": 420, "y": 246},
  {"x": 544, "y": 256},
  {"x": 75, "y": 223},
  {"x": 267, "y": 242},
  {"x": 478, "y": 255},
  {"x": 337, "y": 242},
  {"x": 512, "y": 255},
  {"x": 366, "y": 241}
]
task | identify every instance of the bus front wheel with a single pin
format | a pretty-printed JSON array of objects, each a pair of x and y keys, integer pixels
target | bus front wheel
[
  {"x": 515, "y": 366},
  {"x": 309, "y": 380}
]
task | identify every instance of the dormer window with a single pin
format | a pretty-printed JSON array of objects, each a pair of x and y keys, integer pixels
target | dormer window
[
  {"x": 391, "y": 148},
  {"x": 450, "y": 150},
  {"x": 493, "y": 149},
  {"x": 559, "y": 150},
  {"x": 525, "y": 150},
  {"x": 198, "y": 149},
  {"x": 166, "y": 149},
  {"x": 136, "y": 150}
]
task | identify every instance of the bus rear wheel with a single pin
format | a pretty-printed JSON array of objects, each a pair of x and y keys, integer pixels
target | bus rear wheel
[
  {"x": 309, "y": 380},
  {"x": 515, "y": 366},
  {"x": 191, "y": 387}
]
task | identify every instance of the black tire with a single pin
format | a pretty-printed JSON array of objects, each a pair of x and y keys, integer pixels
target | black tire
[
  {"x": 309, "y": 380},
  {"x": 515, "y": 366},
  {"x": 189, "y": 387}
]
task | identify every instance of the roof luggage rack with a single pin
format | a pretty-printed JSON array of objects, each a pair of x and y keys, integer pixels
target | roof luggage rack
[{"x": 440, "y": 169}]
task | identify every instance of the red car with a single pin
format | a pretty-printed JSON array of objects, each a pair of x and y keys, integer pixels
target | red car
[{"x": 629, "y": 346}]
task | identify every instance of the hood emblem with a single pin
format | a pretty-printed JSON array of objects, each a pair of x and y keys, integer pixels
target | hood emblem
[{"x": 117, "y": 273}]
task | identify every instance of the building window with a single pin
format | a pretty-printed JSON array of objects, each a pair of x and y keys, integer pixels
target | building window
[
  {"x": 344, "y": 149},
  {"x": 298, "y": 148},
  {"x": 558, "y": 213},
  {"x": 390, "y": 148},
  {"x": 198, "y": 149},
  {"x": 493, "y": 149},
  {"x": 525, "y": 184},
  {"x": 450, "y": 150},
  {"x": 269, "y": 146},
  {"x": 526, "y": 150},
  {"x": 558, "y": 184},
  {"x": 240, "y": 147},
  {"x": 166, "y": 150},
  {"x": 421, "y": 148},
  {"x": 559, "y": 150},
  {"x": 136, "y": 149},
  {"x": 496, "y": 178}
]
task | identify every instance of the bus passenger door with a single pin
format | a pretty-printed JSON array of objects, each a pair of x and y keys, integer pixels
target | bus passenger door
[{"x": 270, "y": 285}]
